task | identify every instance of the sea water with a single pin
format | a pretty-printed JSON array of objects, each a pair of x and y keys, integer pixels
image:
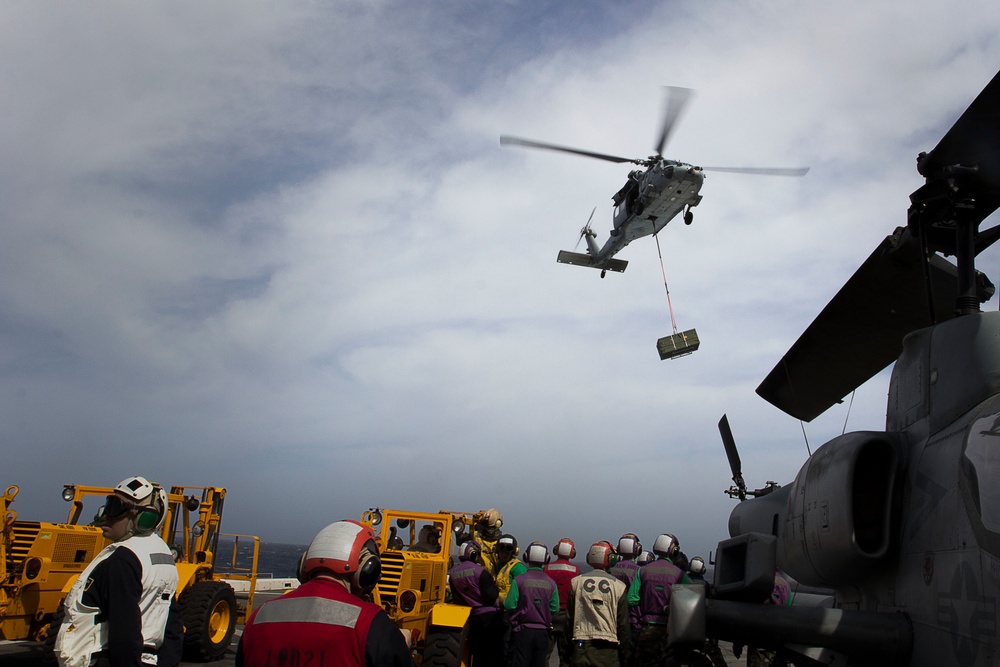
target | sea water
[{"x": 274, "y": 560}]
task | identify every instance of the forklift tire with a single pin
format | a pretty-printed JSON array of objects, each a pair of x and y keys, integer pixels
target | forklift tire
[
  {"x": 446, "y": 647},
  {"x": 209, "y": 612}
]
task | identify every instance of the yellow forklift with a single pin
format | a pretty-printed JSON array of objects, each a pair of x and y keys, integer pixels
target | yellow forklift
[{"x": 416, "y": 553}]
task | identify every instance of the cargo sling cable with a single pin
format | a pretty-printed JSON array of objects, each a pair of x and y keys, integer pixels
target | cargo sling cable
[{"x": 678, "y": 344}]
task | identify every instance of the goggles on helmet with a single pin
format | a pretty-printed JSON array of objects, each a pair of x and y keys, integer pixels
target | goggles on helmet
[{"x": 115, "y": 507}]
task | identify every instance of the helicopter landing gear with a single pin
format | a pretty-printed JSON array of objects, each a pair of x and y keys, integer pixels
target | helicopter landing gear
[{"x": 688, "y": 216}]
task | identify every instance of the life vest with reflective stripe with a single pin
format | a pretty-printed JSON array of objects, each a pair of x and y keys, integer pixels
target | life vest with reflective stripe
[
  {"x": 464, "y": 579},
  {"x": 83, "y": 631},
  {"x": 534, "y": 595},
  {"x": 503, "y": 577},
  {"x": 655, "y": 581},
  {"x": 562, "y": 572},
  {"x": 319, "y": 624}
]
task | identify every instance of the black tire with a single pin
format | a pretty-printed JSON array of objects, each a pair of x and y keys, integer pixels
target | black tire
[
  {"x": 446, "y": 647},
  {"x": 209, "y": 612}
]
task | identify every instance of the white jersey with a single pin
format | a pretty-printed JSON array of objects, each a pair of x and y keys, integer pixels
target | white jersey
[{"x": 83, "y": 633}]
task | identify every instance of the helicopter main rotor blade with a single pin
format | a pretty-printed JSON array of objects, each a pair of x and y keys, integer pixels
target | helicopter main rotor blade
[
  {"x": 762, "y": 171},
  {"x": 506, "y": 140},
  {"x": 677, "y": 99}
]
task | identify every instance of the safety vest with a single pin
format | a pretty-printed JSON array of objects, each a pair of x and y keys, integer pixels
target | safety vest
[
  {"x": 534, "y": 589},
  {"x": 504, "y": 576},
  {"x": 319, "y": 623},
  {"x": 562, "y": 572},
  {"x": 655, "y": 581},
  {"x": 595, "y": 606},
  {"x": 83, "y": 631}
]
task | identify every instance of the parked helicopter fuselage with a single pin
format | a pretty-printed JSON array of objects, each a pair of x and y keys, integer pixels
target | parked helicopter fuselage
[{"x": 905, "y": 521}]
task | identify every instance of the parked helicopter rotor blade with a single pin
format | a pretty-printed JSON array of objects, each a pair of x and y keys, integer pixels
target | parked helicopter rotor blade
[
  {"x": 972, "y": 142},
  {"x": 506, "y": 140},
  {"x": 762, "y": 171},
  {"x": 677, "y": 99},
  {"x": 861, "y": 330},
  {"x": 735, "y": 465}
]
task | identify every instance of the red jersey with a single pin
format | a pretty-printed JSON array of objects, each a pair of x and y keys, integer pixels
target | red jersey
[{"x": 562, "y": 572}]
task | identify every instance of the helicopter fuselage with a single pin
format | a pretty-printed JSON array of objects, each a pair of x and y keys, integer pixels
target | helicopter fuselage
[
  {"x": 647, "y": 202},
  {"x": 902, "y": 523}
]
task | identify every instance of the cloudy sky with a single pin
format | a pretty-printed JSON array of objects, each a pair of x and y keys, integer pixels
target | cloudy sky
[{"x": 277, "y": 247}]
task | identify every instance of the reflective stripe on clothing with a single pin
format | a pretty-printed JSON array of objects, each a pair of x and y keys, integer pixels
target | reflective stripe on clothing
[{"x": 309, "y": 610}]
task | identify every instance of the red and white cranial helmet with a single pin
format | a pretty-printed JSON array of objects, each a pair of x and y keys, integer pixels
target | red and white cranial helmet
[{"x": 565, "y": 549}]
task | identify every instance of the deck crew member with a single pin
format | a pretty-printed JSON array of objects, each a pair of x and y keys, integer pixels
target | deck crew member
[
  {"x": 532, "y": 599},
  {"x": 325, "y": 621},
  {"x": 650, "y": 591},
  {"x": 486, "y": 531},
  {"x": 625, "y": 570},
  {"x": 507, "y": 565},
  {"x": 472, "y": 585},
  {"x": 562, "y": 572},
  {"x": 121, "y": 611},
  {"x": 599, "y": 612}
]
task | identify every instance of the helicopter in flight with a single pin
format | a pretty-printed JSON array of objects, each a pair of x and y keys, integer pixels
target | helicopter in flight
[
  {"x": 901, "y": 527},
  {"x": 653, "y": 195}
]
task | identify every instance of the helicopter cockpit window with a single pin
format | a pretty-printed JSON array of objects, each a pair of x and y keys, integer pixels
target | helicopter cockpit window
[{"x": 983, "y": 469}]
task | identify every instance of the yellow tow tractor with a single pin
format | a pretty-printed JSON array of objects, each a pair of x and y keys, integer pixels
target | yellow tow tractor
[
  {"x": 39, "y": 562},
  {"x": 415, "y": 549}
]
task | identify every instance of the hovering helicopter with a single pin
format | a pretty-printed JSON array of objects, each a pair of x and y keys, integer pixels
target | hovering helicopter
[
  {"x": 902, "y": 526},
  {"x": 653, "y": 195}
]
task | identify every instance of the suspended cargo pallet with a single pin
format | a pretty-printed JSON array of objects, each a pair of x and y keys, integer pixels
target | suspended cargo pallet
[{"x": 678, "y": 345}]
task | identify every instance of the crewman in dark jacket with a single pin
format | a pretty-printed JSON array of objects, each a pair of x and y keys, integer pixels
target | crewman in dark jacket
[{"x": 473, "y": 585}]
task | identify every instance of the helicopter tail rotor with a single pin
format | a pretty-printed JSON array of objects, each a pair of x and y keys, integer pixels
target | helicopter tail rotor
[{"x": 587, "y": 232}]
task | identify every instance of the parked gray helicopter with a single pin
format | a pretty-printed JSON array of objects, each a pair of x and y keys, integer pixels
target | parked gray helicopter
[
  {"x": 653, "y": 195},
  {"x": 902, "y": 525}
]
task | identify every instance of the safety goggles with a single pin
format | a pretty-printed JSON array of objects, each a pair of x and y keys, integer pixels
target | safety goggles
[{"x": 115, "y": 507}]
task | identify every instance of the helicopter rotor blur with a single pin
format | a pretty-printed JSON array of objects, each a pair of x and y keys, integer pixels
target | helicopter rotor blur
[{"x": 653, "y": 195}]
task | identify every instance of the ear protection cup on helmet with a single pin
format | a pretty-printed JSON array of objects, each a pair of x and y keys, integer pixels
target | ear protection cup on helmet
[
  {"x": 150, "y": 516},
  {"x": 146, "y": 520},
  {"x": 299, "y": 573},
  {"x": 369, "y": 571}
]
